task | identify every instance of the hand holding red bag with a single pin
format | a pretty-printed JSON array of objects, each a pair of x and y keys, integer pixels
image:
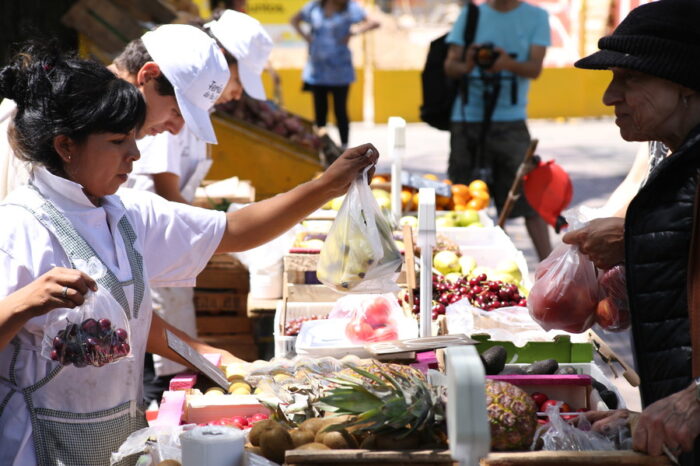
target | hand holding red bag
[{"x": 565, "y": 294}]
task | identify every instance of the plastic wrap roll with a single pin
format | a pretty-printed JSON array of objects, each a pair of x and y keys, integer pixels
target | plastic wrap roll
[{"x": 212, "y": 446}]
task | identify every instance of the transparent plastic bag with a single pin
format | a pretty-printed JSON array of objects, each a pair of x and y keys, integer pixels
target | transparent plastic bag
[
  {"x": 565, "y": 294},
  {"x": 613, "y": 310},
  {"x": 560, "y": 435},
  {"x": 94, "y": 334},
  {"x": 372, "y": 318},
  {"x": 359, "y": 254}
]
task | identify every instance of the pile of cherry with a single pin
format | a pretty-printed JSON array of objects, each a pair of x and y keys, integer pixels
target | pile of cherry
[
  {"x": 480, "y": 291},
  {"x": 92, "y": 342},
  {"x": 293, "y": 326}
]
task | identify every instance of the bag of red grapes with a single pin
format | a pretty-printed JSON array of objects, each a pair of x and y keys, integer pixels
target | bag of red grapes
[{"x": 94, "y": 334}]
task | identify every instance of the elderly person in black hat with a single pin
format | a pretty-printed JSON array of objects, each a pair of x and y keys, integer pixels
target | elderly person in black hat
[{"x": 654, "y": 56}]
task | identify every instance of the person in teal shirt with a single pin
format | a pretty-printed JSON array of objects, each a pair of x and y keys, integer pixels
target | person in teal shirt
[{"x": 519, "y": 33}]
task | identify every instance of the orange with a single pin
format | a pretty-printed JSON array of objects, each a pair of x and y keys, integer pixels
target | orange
[
  {"x": 380, "y": 179},
  {"x": 415, "y": 201},
  {"x": 477, "y": 204},
  {"x": 478, "y": 185},
  {"x": 460, "y": 189},
  {"x": 481, "y": 195},
  {"x": 406, "y": 198},
  {"x": 430, "y": 176},
  {"x": 442, "y": 202},
  {"x": 459, "y": 207},
  {"x": 447, "y": 181}
]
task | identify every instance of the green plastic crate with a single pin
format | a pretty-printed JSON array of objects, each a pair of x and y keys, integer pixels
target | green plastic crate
[{"x": 561, "y": 349}]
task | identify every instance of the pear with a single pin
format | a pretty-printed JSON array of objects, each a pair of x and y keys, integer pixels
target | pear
[
  {"x": 467, "y": 264},
  {"x": 445, "y": 222},
  {"x": 511, "y": 268},
  {"x": 446, "y": 262},
  {"x": 468, "y": 217},
  {"x": 453, "y": 277}
]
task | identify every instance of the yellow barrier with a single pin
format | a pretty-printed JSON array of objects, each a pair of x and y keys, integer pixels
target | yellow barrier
[{"x": 557, "y": 93}]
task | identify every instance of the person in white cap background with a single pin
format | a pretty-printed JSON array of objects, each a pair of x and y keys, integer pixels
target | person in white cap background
[
  {"x": 177, "y": 68},
  {"x": 174, "y": 165}
]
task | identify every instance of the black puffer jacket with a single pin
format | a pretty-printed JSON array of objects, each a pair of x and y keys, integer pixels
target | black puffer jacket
[
  {"x": 658, "y": 232},
  {"x": 658, "y": 229}
]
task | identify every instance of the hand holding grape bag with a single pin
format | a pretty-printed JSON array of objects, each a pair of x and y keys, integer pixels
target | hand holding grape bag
[{"x": 94, "y": 334}]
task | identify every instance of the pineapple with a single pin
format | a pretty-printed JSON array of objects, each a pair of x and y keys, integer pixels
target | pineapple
[
  {"x": 512, "y": 414},
  {"x": 386, "y": 399}
]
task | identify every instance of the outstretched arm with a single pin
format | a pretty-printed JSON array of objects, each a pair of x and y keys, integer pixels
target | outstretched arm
[{"x": 263, "y": 221}]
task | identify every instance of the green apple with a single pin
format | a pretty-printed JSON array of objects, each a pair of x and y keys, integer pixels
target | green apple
[
  {"x": 446, "y": 262},
  {"x": 409, "y": 220},
  {"x": 467, "y": 264},
  {"x": 476, "y": 225},
  {"x": 510, "y": 267},
  {"x": 453, "y": 277},
  {"x": 444, "y": 222},
  {"x": 467, "y": 217}
]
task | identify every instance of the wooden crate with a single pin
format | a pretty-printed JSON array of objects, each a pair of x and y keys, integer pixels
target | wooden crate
[
  {"x": 224, "y": 272},
  {"x": 442, "y": 458},
  {"x": 220, "y": 301},
  {"x": 242, "y": 346}
]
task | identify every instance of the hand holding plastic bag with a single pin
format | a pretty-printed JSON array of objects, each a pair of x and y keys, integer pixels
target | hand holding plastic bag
[
  {"x": 613, "y": 310},
  {"x": 565, "y": 294},
  {"x": 94, "y": 334},
  {"x": 359, "y": 254},
  {"x": 560, "y": 435}
]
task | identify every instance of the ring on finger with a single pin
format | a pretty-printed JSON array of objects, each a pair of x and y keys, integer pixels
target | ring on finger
[{"x": 64, "y": 293}]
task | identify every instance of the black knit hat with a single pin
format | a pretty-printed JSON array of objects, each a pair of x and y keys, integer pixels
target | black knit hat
[{"x": 661, "y": 38}]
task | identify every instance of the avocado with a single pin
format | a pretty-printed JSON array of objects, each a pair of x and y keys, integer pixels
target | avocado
[
  {"x": 494, "y": 359},
  {"x": 566, "y": 370},
  {"x": 545, "y": 366},
  {"x": 514, "y": 370}
]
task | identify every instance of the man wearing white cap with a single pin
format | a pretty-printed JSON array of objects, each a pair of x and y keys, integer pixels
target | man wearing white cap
[
  {"x": 173, "y": 165},
  {"x": 180, "y": 71}
]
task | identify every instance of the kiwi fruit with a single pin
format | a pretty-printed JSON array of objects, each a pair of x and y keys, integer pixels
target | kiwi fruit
[
  {"x": 274, "y": 443},
  {"x": 313, "y": 446},
  {"x": 301, "y": 437},
  {"x": 313, "y": 424},
  {"x": 258, "y": 428},
  {"x": 337, "y": 439}
]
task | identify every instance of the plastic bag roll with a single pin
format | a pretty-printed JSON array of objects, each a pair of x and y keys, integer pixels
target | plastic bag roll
[{"x": 212, "y": 446}]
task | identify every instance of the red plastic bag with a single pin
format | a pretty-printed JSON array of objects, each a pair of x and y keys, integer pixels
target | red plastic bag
[
  {"x": 565, "y": 294},
  {"x": 613, "y": 310}
]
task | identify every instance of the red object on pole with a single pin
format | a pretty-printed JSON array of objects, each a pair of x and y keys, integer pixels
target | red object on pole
[{"x": 548, "y": 189}]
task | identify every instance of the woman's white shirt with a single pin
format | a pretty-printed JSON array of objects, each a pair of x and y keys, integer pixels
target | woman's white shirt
[{"x": 175, "y": 240}]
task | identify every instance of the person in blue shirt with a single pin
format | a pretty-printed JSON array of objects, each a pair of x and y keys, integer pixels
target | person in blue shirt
[
  {"x": 329, "y": 67},
  {"x": 519, "y": 33}
]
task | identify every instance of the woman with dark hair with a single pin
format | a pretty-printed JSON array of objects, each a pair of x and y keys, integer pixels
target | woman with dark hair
[
  {"x": 329, "y": 68},
  {"x": 655, "y": 89},
  {"x": 76, "y": 124}
]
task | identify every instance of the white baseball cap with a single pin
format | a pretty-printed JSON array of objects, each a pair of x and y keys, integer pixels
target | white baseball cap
[
  {"x": 193, "y": 63},
  {"x": 244, "y": 37}
]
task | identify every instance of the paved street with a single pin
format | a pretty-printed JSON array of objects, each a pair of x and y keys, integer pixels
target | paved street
[{"x": 590, "y": 150}]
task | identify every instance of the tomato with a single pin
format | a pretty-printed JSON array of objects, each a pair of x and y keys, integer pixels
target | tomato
[
  {"x": 359, "y": 331},
  {"x": 539, "y": 399},
  {"x": 377, "y": 313},
  {"x": 257, "y": 417},
  {"x": 386, "y": 333}
]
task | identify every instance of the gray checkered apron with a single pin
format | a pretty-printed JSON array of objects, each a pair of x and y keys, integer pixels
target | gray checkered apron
[{"x": 86, "y": 438}]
